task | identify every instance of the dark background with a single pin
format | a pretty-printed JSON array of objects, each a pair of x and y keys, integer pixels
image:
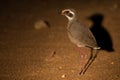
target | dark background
[{"x": 29, "y": 53}]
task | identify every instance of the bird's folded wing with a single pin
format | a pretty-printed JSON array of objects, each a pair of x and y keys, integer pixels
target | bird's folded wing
[{"x": 82, "y": 34}]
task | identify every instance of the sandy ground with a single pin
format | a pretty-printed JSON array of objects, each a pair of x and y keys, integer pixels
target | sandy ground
[{"x": 27, "y": 53}]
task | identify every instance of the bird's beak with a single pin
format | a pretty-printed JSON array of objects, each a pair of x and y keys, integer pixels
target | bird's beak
[{"x": 62, "y": 13}]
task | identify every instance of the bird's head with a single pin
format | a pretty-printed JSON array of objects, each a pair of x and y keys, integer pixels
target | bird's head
[{"x": 69, "y": 13}]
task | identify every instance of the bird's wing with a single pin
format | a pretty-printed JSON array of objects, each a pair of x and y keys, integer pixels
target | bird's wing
[{"x": 82, "y": 34}]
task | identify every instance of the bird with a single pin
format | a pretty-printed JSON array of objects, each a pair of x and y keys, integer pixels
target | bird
[{"x": 80, "y": 35}]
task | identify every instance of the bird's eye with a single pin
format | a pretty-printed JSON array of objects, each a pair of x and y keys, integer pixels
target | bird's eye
[
  {"x": 67, "y": 12},
  {"x": 70, "y": 15}
]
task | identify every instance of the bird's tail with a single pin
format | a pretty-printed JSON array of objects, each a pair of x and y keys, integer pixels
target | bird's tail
[{"x": 96, "y": 47}]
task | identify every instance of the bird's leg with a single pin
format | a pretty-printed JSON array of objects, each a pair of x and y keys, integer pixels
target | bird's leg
[
  {"x": 91, "y": 59},
  {"x": 82, "y": 55},
  {"x": 86, "y": 64},
  {"x": 83, "y": 60}
]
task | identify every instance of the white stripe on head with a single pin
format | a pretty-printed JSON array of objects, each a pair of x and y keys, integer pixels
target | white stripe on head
[{"x": 70, "y": 11}]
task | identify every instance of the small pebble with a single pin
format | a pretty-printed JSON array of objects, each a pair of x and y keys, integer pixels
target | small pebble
[
  {"x": 72, "y": 71},
  {"x": 53, "y": 54},
  {"x": 40, "y": 24},
  {"x": 63, "y": 76},
  {"x": 60, "y": 67},
  {"x": 112, "y": 62}
]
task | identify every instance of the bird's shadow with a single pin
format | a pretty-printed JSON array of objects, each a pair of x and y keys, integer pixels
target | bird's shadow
[{"x": 102, "y": 36}]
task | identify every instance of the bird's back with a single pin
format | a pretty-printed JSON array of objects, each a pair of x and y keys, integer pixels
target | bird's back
[{"x": 81, "y": 35}]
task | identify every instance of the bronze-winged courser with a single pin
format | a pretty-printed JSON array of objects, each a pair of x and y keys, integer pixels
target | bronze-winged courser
[{"x": 79, "y": 34}]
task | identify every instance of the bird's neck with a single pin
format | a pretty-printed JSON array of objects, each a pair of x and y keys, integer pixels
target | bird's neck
[{"x": 72, "y": 20}]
